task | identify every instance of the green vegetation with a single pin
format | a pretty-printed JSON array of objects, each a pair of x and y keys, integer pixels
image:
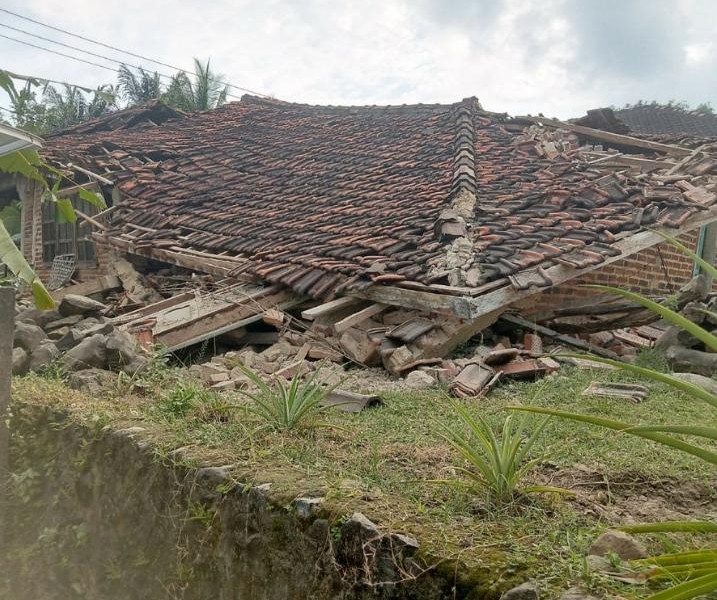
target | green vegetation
[
  {"x": 288, "y": 406},
  {"x": 43, "y": 106},
  {"x": 381, "y": 462},
  {"x": 497, "y": 464}
]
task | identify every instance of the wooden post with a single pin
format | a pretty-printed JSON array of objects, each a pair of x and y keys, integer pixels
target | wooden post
[{"x": 7, "y": 329}]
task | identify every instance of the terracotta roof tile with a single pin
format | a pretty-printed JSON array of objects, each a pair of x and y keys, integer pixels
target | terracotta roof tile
[{"x": 318, "y": 197}]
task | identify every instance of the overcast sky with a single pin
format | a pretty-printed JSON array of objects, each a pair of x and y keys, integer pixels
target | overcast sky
[{"x": 558, "y": 57}]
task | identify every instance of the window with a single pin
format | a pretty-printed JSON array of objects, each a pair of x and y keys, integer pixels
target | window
[{"x": 67, "y": 238}]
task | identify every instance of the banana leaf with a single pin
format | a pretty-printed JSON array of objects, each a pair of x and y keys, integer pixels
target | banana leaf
[{"x": 11, "y": 256}]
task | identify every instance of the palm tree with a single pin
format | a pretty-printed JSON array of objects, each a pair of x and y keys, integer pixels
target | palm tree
[
  {"x": 207, "y": 91},
  {"x": 140, "y": 87},
  {"x": 72, "y": 106}
]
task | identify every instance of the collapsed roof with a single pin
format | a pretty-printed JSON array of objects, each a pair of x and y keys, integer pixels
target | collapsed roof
[
  {"x": 327, "y": 199},
  {"x": 667, "y": 123}
]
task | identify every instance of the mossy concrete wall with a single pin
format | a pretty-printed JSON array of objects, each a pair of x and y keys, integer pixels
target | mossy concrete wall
[{"x": 99, "y": 513}]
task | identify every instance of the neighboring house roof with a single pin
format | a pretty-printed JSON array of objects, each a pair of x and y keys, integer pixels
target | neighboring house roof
[
  {"x": 655, "y": 121},
  {"x": 320, "y": 197},
  {"x": 148, "y": 114}
]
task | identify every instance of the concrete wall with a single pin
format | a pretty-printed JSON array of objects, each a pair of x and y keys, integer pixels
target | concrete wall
[{"x": 100, "y": 513}]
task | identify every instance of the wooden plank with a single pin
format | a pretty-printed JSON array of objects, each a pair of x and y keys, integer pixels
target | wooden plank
[
  {"x": 426, "y": 301},
  {"x": 92, "y": 221},
  {"x": 686, "y": 160},
  {"x": 90, "y": 174},
  {"x": 223, "y": 321},
  {"x": 565, "y": 339},
  {"x": 140, "y": 313},
  {"x": 213, "y": 266},
  {"x": 101, "y": 284},
  {"x": 317, "y": 311},
  {"x": 616, "y": 138},
  {"x": 633, "y": 161},
  {"x": 360, "y": 316}
]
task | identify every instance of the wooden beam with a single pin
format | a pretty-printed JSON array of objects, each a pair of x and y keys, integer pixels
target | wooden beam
[
  {"x": 565, "y": 339},
  {"x": 90, "y": 174},
  {"x": 467, "y": 330},
  {"x": 616, "y": 138},
  {"x": 327, "y": 307},
  {"x": 233, "y": 317},
  {"x": 358, "y": 317},
  {"x": 632, "y": 161},
  {"x": 426, "y": 301},
  {"x": 91, "y": 221}
]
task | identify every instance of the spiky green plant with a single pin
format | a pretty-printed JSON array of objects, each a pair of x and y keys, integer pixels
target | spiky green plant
[
  {"x": 694, "y": 571},
  {"x": 288, "y": 405},
  {"x": 497, "y": 464}
]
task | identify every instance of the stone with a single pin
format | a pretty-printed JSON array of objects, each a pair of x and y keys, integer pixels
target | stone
[
  {"x": 91, "y": 381},
  {"x": 525, "y": 591},
  {"x": 20, "y": 361},
  {"x": 70, "y": 339},
  {"x": 37, "y": 316},
  {"x": 57, "y": 334},
  {"x": 620, "y": 543},
  {"x": 702, "y": 381},
  {"x": 306, "y": 508},
  {"x": 121, "y": 349},
  {"x": 278, "y": 352},
  {"x": 419, "y": 380},
  {"x": 138, "y": 364},
  {"x": 63, "y": 322},
  {"x": 28, "y": 336},
  {"x": 73, "y": 304},
  {"x": 43, "y": 355},
  {"x": 90, "y": 352},
  {"x": 575, "y": 593}
]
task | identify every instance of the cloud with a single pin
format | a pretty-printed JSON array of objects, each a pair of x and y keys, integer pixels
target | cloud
[{"x": 559, "y": 57}]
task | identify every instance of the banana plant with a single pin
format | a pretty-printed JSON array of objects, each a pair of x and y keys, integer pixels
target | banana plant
[
  {"x": 29, "y": 164},
  {"x": 693, "y": 573}
]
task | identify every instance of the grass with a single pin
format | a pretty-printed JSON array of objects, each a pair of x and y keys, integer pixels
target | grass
[{"x": 380, "y": 461}]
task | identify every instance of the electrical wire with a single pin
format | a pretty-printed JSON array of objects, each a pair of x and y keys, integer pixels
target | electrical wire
[
  {"x": 119, "y": 62},
  {"x": 114, "y": 48}
]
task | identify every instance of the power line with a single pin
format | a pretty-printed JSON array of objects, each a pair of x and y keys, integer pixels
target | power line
[
  {"x": 110, "y": 47},
  {"x": 89, "y": 62},
  {"x": 119, "y": 62}
]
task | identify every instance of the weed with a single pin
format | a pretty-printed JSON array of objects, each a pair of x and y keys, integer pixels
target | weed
[
  {"x": 288, "y": 406},
  {"x": 496, "y": 464},
  {"x": 182, "y": 398}
]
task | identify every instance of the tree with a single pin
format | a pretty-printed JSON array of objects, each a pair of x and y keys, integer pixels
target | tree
[
  {"x": 28, "y": 113},
  {"x": 71, "y": 105},
  {"x": 203, "y": 91},
  {"x": 139, "y": 87}
]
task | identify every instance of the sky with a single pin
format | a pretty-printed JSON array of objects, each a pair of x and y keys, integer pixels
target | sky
[{"x": 555, "y": 57}]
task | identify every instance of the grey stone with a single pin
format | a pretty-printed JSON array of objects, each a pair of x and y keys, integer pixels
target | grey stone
[
  {"x": 37, "y": 316},
  {"x": 90, "y": 381},
  {"x": 70, "y": 339},
  {"x": 89, "y": 353},
  {"x": 305, "y": 508},
  {"x": 20, "y": 361},
  {"x": 620, "y": 543},
  {"x": 403, "y": 541},
  {"x": 706, "y": 383},
  {"x": 599, "y": 563},
  {"x": 419, "y": 380},
  {"x": 57, "y": 334},
  {"x": 43, "y": 355},
  {"x": 72, "y": 304},
  {"x": 525, "y": 591},
  {"x": 28, "y": 336},
  {"x": 138, "y": 364},
  {"x": 575, "y": 593},
  {"x": 63, "y": 322},
  {"x": 121, "y": 349}
]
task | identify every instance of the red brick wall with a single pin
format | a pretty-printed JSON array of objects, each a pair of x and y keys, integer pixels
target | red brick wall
[{"x": 659, "y": 270}]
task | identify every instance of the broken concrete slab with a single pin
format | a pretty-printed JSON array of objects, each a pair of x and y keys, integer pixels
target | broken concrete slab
[{"x": 359, "y": 347}]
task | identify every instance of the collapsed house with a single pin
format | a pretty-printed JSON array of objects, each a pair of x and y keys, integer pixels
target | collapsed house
[{"x": 394, "y": 234}]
